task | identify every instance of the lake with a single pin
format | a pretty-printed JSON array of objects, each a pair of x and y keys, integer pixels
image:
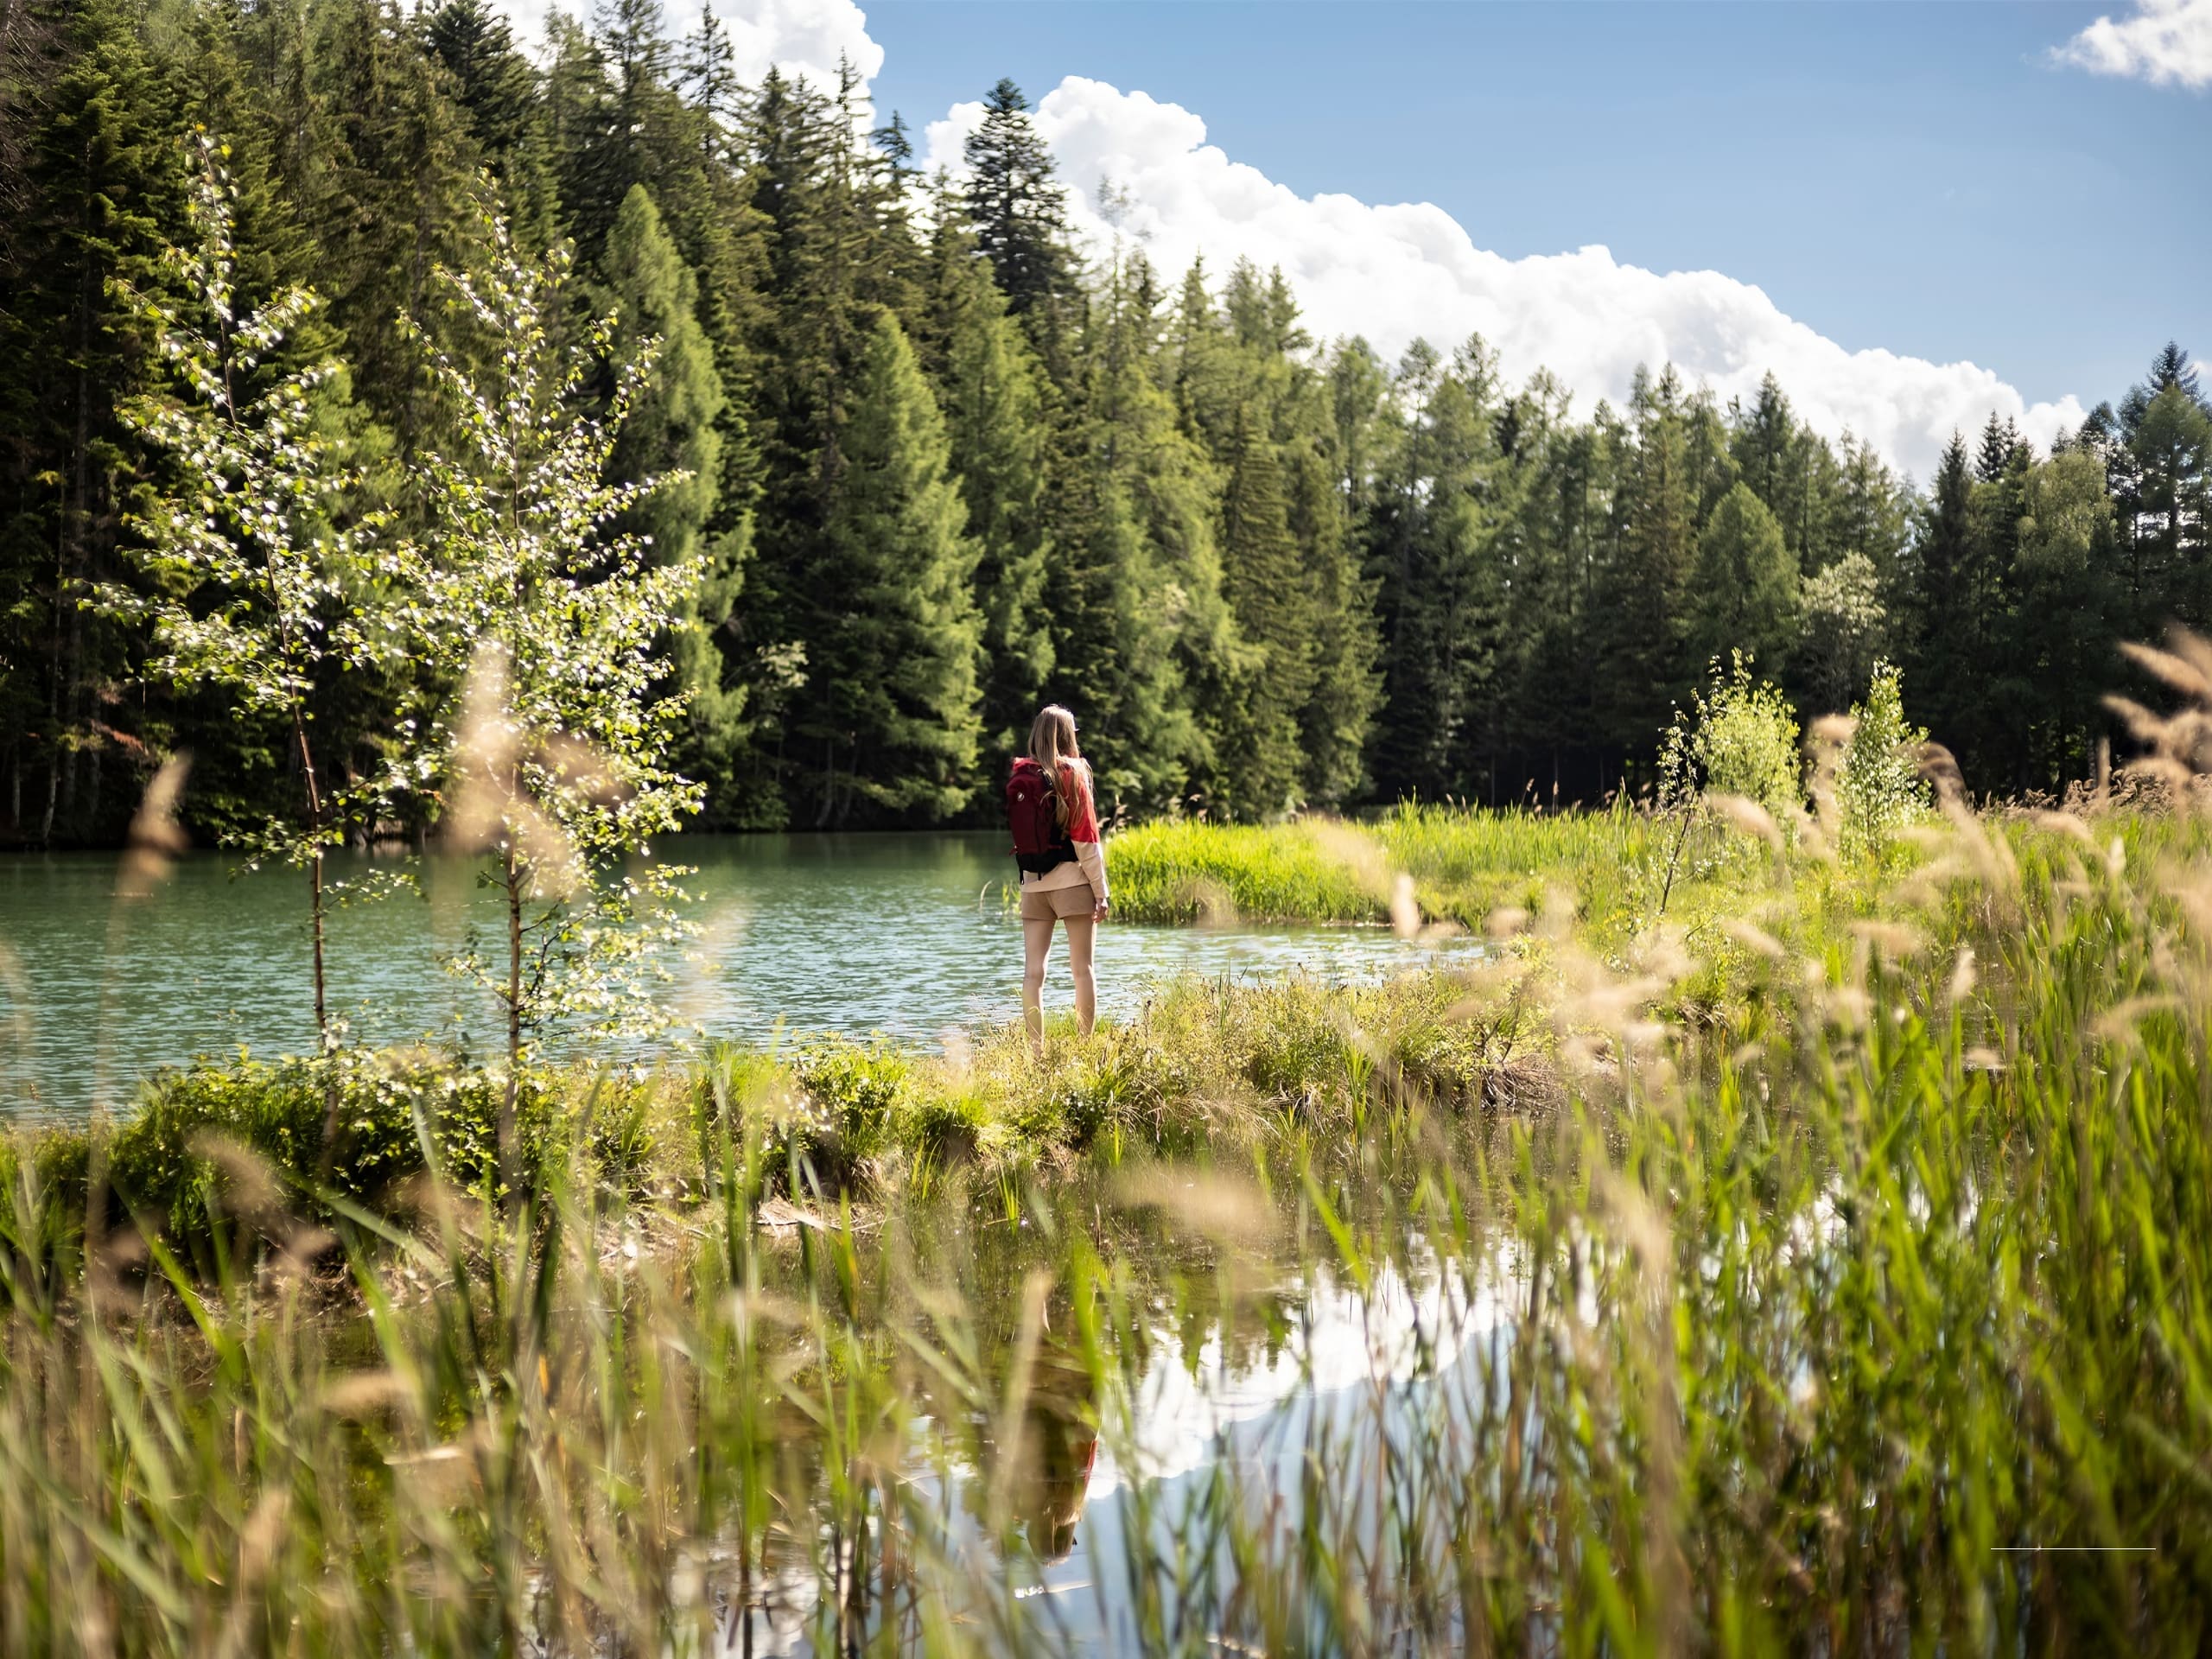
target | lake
[{"x": 905, "y": 934}]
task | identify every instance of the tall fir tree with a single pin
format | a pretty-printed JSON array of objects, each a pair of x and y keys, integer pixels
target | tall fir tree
[
  {"x": 1945, "y": 645},
  {"x": 1259, "y": 764},
  {"x": 102, "y": 178},
  {"x": 392, "y": 195},
  {"x": 1339, "y": 714},
  {"x": 1638, "y": 618},
  {"x": 892, "y": 709},
  {"x": 1742, "y": 592},
  {"x": 673, "y": 432},
  {"x": 1133, "y": 522},
  {"x": 1016, "y": 203},
  {"x": 2164, "y": 495},
  {"x": 498, "y": 91},
  {"x": 995, "y": 420},
  {"x": 1441, "y": 594}
]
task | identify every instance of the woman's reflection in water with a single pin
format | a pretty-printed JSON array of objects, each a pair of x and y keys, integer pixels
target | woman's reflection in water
[{"x": 1044, "y": 1476}]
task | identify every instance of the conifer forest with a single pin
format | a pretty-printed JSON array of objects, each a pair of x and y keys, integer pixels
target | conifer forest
[{"x": 935, "y": 462}]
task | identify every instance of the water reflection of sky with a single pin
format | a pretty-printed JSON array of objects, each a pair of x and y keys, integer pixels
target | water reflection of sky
[
  {"x": 907, "y": 935},
  {"x": 1354, "y": 1360}
]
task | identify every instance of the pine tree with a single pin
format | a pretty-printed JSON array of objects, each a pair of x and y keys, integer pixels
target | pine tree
[
  {"x": 1566, "y": 477},
  {"x": 2001, "y": 441},
  {"x": 1340, "y": 710},
  {"x": 1116, "y": 662},
  {"x": 1945, "y": 643},
  {"x": 1742, "y": 593},
  {"x": 1441, "y": 592},
  {"x": 994, "y": 419},
  {"x": 892, "y": 707},
  {"x": 393, "y": 196},
  {"x": 672, "y": 432},
  {"x": 499, "y": 91},
  {"x": 1259, "y": 762},
  {"x": 101, "y": 182},
  {"x": 2062, "y": 638},
  {"x": 1016, "y": 203},
  {"x": 2165, "y": 495},
  {"x": 1639, "y": 612},
  {"x": 1134, "y": 521},
  {"x": 796, "y": 361}
]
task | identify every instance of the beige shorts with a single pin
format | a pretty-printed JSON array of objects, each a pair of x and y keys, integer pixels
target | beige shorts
[{"x": 1063, "y": 904}]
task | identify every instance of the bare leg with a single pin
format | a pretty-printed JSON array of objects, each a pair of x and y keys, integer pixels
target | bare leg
[
  {"x": 1036, "y": 939},
  {"x": 1082, "y": 933}
]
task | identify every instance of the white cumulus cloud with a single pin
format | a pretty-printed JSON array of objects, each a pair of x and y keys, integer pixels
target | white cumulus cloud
[
  {"x": 2166, "y": 42},
  {"x": 1393, "y": 273}
]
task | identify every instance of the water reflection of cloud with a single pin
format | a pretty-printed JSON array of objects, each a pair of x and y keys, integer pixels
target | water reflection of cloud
[{"x": 1399, "y": 1329}]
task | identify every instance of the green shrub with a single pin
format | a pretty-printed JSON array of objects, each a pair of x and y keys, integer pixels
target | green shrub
[
  {"x": 625, "y": 1143},
  {"x": 832, "y": 1112},
  {"x": 1741, "y": 741},
  {"x": 941, "y": 1126},
  {"x": 1879, "y": 788},
  {"x": 160, "y": 1161}
]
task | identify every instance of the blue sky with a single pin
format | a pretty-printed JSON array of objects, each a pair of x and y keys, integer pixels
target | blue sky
[{"x": 1921, "y": 178}]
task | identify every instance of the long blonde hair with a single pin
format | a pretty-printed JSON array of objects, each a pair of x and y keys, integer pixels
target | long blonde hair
[{"x": 1052, "y": 746}]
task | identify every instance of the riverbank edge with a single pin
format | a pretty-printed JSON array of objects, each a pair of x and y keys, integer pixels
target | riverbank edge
[{"x": 1207, "y": 1067}]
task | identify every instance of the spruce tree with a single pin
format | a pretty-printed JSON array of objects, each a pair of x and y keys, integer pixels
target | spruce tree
[
  {"x": 1259, "y": 761},
  {"x": 1654, "y": 540},
  {"x": 1115, "y": 663},
  {"x": 499, "y": 91},
  {"x": 672, "y": 433},
  {"x": 1015, "y": 202},
  {"x": 101, "y": 181},
  {"x": 1440, "y": 522},
  {"x": 1133, "y": 522},
  {"x": 1565, "y": 475},
  {"x": 891, "y": 725},
  {"x": 392, "y": 189},
  {"x": 2164, "y": 499},
  {"x": 2063, "y": 638},
  {"x": 796, "y": 351},
  {"x": 996, "y": 421},
  {"x": 1742, "y": 593},
  {"x": 1945, "y": 646},
  {"x": 1340, "y": 710}
]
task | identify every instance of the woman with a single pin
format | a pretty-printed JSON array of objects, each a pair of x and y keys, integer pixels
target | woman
[{"x": 1054, "y": 816}]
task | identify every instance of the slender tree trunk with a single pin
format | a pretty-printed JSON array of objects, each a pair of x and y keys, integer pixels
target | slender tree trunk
[
  {"x": 314, "y": 872},
  {"x": 510, "y": 1101},
  {"x": 315, "y": 911}
]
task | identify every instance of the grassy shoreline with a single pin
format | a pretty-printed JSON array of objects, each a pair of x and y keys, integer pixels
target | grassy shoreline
[
  {"x": 1206, "y": 1069},
  {"x": 1207, "y": 1066}
]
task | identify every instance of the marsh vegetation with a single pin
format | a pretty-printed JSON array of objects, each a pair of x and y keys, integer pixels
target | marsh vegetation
[{"x": 1819, "y": 1261}]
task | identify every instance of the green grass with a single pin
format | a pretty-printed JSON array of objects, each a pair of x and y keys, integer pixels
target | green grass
[
  {"x": 1822, "y": 1255},
  {"x": 1209, "y": 1066},
  {"x": 1466, "y": 865},
  {"x": 1191, "y": 872}
]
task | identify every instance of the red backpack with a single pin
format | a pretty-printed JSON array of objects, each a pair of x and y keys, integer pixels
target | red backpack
[{"x": 1032, "y": 813}]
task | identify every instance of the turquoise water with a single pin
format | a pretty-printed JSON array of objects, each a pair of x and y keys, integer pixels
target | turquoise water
[{"x": 905, "y": 934}]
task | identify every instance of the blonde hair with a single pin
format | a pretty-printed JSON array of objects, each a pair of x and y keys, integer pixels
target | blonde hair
[{"x": 1052, "y": 746}]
